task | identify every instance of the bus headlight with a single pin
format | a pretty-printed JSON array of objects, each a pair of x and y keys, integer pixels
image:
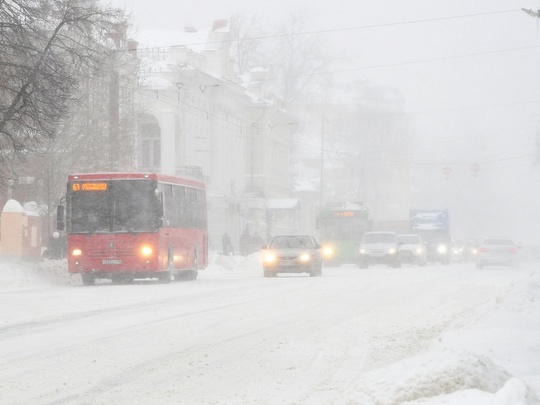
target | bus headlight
[
  {"x": 76, "y": 252},
  {"x": 146, "y": 251}
]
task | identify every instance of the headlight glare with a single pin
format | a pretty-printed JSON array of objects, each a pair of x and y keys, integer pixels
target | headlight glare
[
  {"x": 305, "y": 257},
  {"x": 146, "y": 251},
  {"x": 328, "y": 251},
  {"x": 269, "y": 258}
]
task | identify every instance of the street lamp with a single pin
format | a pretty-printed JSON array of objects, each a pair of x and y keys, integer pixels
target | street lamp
[
  {"x": 532, "y": 13},
  {"x": 535, "y": 14}
]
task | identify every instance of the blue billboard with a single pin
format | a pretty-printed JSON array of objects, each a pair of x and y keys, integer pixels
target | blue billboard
[{"x": 429, "y": 220}]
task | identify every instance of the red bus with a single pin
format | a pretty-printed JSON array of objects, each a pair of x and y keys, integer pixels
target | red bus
[{"x": 122, "y": 226}]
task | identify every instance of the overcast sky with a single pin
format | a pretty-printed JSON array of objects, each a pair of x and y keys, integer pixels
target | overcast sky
[
  {"x": 475, "y": 56},
  {"x": 468, "y": 70}
]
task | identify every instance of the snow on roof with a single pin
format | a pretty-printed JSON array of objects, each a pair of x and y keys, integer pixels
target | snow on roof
[
  {"x": 31, "y": 208},
  {"x": 13, "y": 206}
]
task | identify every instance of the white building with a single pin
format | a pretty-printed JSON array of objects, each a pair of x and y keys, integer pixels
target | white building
[{"x": 196, "y": 115}]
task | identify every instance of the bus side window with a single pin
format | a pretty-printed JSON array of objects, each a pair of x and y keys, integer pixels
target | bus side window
[
  {"x": 158, "y": 208},
  {"x": 168, "y": 205}
]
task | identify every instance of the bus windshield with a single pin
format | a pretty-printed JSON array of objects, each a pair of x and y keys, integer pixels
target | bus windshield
[
  {"x": 117, "y": 206},
  {"x": 342, "y": 228}
]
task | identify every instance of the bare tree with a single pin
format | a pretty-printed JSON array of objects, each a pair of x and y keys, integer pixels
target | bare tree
[
  {"x": 294, "y": 56},
  {"x": 47, "y": 47},
  {"x": 246, "y": 47},
  {"x": 297, "y": 58}
]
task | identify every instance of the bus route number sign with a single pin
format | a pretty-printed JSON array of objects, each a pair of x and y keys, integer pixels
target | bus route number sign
[
  {"x": 89, "y": 186},
  {"x": 344, "y": 214}
]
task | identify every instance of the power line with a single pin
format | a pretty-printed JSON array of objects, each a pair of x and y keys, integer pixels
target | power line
[{"x": 361, "y": 27}]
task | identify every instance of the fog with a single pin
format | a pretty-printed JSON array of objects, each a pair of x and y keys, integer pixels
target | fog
[{"x": 467, "y": 72}]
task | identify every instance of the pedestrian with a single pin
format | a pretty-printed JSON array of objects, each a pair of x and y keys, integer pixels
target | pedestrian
[
  {"x": 245, "y": 239},
  {"x": 256, "y": 242},
  {"x": 226, "y": 243},
  {"x": 56, "y": 246}
]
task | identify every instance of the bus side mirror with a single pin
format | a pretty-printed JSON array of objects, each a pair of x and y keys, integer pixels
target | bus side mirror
[{"x": 60, "y": 223}]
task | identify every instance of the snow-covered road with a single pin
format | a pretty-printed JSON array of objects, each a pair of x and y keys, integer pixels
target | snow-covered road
[{"x": 370, "y": 336}]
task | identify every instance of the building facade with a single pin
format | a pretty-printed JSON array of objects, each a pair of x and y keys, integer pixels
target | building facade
[{"x": 196, "y": 116}]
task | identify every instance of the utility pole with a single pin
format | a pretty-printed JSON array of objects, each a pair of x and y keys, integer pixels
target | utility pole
[
  {"x": 321, "y": 185},
  {"x": 535, "y": 14}
]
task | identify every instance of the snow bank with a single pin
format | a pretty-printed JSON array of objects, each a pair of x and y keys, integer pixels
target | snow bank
[
  {"x": 438, "y": 377},
  {"x": 17, "y": 274},
  {"x": 20, "y": 274},
  {"x": 472, "y": 365},
  {"x": 250, "y": 265}
]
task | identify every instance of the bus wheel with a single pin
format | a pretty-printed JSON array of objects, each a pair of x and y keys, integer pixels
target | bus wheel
[
  {"x": 88, "y": 279},
  {"x": 192, "y": 275},
  {"x": 167, "y": 275}
]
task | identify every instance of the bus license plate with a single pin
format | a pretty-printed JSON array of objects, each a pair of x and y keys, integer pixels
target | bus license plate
[{"x": 111, "y": 261}]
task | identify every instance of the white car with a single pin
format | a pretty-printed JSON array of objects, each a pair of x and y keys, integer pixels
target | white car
[
  {"x": 412, "y": 249},
  {"x": 497, "y": 251},
  {"x": 379, "y": 248}
]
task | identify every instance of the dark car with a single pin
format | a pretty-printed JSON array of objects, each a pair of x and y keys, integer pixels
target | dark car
[
  {"x": 292, "y": 254},
  {"x": 438, "y": 250}
]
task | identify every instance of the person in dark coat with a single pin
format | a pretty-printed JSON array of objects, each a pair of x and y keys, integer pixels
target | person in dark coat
[
  {"x": 56, "y": 246},
  {"x": 256, "y": 243},
  {"x": 226, "y": 243},
  {"x": 245, "y": 240}
]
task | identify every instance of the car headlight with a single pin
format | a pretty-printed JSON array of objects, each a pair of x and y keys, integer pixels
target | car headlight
[
  {"x": 419, "y": 251},
  {"x": 305, "y": 257},
  {"x": 392, "y": 251},
  {"x": 269, "y": 258},
  {"x": 442, "y": 249},
  {"x": 362, "y": 251},
  {"x": 328, "y": 251}
]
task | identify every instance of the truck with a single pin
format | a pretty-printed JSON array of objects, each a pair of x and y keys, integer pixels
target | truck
[{"x": 433, "y": 227}]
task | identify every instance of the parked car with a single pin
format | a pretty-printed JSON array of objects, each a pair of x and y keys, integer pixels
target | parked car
[
  {"x": 411, "y": 249},
  {"x": 379, "y": 248},
  {"x": 497, "y": 251},
  {"x": 292, "y": 254}
]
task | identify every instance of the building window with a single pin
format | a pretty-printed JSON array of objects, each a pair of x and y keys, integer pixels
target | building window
[{"x": 150, "y": 142}]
